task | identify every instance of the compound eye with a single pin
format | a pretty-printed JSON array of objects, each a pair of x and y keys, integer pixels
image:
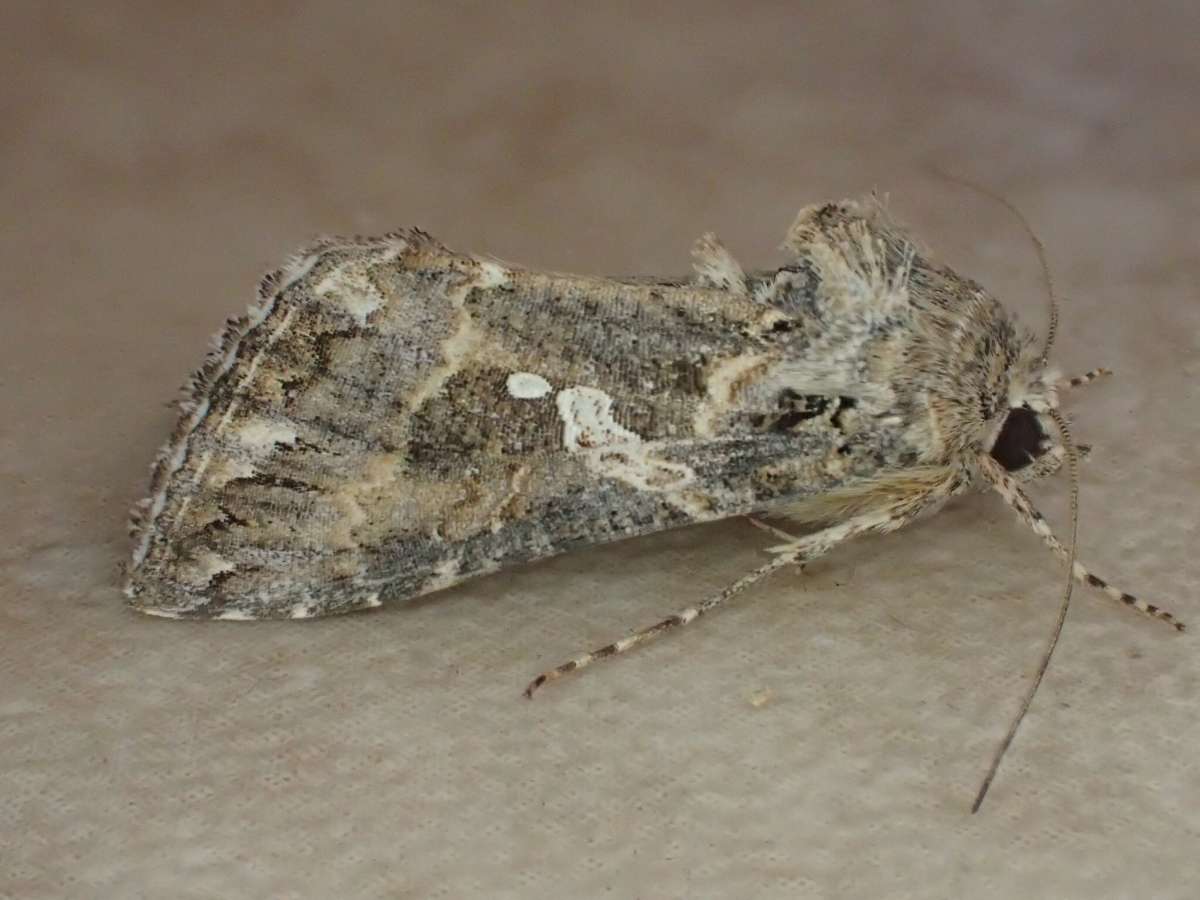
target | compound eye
[{"x": 1020, "y": 440}]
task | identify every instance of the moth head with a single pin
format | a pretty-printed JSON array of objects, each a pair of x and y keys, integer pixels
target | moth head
[{"x": 1021, "y": 428}]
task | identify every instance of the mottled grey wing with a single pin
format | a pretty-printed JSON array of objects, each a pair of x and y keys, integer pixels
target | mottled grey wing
[{"x": 393, "y": 418}]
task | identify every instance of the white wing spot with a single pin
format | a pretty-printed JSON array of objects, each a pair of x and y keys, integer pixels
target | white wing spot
[
  {"x": 611, "y": 449},
  {"x": 588, "y": 420},
  {"x": 527, "y": 386}
]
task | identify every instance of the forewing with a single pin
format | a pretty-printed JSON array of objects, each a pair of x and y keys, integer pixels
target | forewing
[{"x": 393, "y": 418}]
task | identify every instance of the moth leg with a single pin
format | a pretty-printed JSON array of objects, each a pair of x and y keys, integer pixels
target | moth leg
[
  {"x": 1006, "y": 486},
  {"x": 1049, "y": 463},
  {"x": 1086, "y": 378},
  {"x": 777, "y": 532},
  {"x": 796, "y": 550},
  {"x": 715, "y": 266},
  {"x": 770, "y": 529}
]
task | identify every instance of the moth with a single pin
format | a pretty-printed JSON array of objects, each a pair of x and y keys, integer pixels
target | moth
[{"x": 392, "y": 418}]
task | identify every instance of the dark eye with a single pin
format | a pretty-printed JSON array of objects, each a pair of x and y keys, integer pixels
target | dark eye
[{"x": 1020, "y": 440}]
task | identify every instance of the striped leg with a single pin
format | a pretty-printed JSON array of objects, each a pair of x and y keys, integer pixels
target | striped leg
[
  {"x": 796, "y": 550},
  {"x": 1085, "y": 378},
  {"x": 1008, "y": 488},
  {"x": 1049, "y": 463}
]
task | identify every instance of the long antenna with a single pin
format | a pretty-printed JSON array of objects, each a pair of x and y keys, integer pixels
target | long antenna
[
  {"x": 1052, "y": 301},
  {"x": 1073, "y": 464}
]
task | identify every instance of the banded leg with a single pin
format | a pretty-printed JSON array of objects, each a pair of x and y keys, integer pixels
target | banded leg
[
  {"x": 1008, "y": 488},
  {"x": 796, "y": 550},
  {"x": 1086, "y": 378},
  {"x": 1049, "y": 463}
]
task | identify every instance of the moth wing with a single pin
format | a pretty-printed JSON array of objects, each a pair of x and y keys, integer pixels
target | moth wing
[{"x": 393, "y": 417}]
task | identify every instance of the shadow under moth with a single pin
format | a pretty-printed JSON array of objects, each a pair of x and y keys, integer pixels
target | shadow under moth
[{"x": 392, "y": 418}]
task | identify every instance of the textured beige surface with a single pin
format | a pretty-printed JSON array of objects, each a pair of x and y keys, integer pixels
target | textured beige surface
[{"x": 156, "y": 160}]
